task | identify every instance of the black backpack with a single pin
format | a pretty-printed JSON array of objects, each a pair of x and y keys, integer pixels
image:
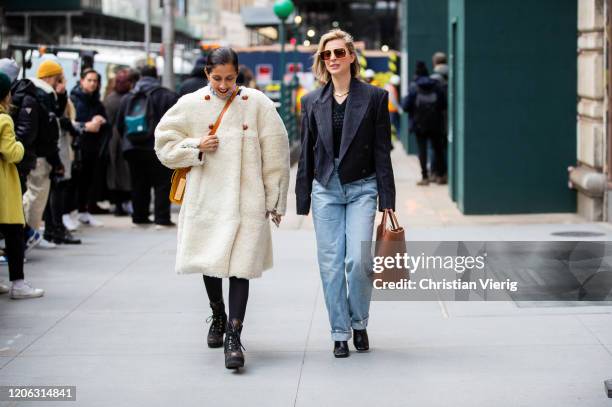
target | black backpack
[
  {"x": 427, "y": 115},
  {"x": 139, "y": 121}
]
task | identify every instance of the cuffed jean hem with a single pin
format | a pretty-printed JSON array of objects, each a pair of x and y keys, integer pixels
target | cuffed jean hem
[
  {"x": 363, "y": 324},
  {"x": 341, "y": 336}
]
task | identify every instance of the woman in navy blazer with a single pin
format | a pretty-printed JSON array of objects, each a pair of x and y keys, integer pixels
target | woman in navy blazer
[{"x": 344, "y": 169}]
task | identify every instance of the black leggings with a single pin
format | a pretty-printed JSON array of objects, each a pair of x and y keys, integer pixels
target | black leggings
[
  {"x": 14, "y": 249},
  {"x": 238, "y": 294}
]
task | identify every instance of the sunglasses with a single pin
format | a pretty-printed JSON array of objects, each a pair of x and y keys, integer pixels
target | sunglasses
[{"x": 338, "y": 52}]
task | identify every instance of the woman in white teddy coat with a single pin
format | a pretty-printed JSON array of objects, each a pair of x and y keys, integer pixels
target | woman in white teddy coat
[{"x": 237, "y": 183}]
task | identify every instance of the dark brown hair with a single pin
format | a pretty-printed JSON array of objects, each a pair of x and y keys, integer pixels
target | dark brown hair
[
  {"x": 222, "y": 56},
  {"x": 87, "y": 71}
]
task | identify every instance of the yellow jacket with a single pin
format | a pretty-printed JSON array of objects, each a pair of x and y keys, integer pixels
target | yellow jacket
[{"x": 11, "y": 152}]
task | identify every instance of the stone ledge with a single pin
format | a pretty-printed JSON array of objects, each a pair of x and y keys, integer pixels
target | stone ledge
[
  {"x": 591, "y": 108},
  {"x": 591, "y": 41}
]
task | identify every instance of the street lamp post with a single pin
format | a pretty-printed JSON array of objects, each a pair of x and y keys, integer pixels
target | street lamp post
[
  {"x": 282, "y": 38},
  {"x": 298, "y": 39},
  {"x": 148, "y": 32},
  {"x": 282, "y": 9},
  {"x": 168, "y": 42}
]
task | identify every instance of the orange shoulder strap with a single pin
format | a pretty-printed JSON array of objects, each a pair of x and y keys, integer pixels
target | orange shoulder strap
[{"x": 225, "y": 108}]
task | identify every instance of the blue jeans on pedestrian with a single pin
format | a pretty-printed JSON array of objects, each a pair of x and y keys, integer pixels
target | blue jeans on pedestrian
[{"x": 343, "y": 218}]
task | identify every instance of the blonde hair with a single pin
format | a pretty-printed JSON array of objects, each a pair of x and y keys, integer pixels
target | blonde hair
[
  {"x": 6, "y": 103},
  {"x": 439, "y": 58},
  {"x": 70, "y": 111},
  {"x": 318, "y": 66}
]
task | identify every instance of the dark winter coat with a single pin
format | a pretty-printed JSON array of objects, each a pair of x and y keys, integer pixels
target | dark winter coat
[
  {"x": 196, "y": 80},
  {"x": 27, "y": 118},
  {"x": 162, "y": 100},
  {"x": 118, "y": 172},
  {"x": 427, "y": 84},
  {"x": 87, "y": 106},
  {"x": 46, "y": 144}
]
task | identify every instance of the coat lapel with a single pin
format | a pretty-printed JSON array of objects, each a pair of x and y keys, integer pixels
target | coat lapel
[
  {"x": 323, "y": 116},
  {"x": 357, "y": 103}
]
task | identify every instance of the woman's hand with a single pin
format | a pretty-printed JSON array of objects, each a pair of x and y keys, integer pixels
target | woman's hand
[
  {"x": 99, "y": 119},
  {"x": 92, "y": 126},
  {"x": 275, "y": 217},
  {"x": 209, "y": 143}
]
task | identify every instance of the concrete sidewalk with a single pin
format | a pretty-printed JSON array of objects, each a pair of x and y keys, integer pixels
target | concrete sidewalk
[{"x": 121, "y": 326}]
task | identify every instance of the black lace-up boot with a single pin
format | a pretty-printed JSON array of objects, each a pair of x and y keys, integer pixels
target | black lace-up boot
[
  {"x": 234, "y": 358},
  {"x": 218, "y": 321}
]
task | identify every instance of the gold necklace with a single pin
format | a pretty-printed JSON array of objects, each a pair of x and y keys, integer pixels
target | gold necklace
[{"x": 341, "y": 94}]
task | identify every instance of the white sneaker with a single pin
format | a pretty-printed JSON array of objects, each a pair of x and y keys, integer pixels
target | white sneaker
[
  {"x": 86, "y": 219},
  {"x": 104, "y": 205},
  {"x": 4, "y": 288},
  {"x": 33, "y": 240},
  {"x": 25, "y": 291},
  {"x": 69, "y": 223},
  {"x": 45, "y": 244}
]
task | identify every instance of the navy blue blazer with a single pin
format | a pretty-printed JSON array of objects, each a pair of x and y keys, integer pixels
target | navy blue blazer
[{"x": 365, "y": 147}]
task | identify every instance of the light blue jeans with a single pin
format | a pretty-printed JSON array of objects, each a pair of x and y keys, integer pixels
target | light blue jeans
[{"x": 343, "y": 217}]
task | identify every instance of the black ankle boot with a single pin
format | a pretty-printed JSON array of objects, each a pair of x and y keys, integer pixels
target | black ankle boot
[
  {"x": 341, "y": 349},
  {"x": 360, "y": 340},
  {"x": 217, "y": 327},
  {"x": 63, "y": 236},
  {"x": 234, "y": 358}
]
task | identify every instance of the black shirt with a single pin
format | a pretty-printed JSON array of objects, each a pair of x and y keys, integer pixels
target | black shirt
[{"x": 337, "y": 122}]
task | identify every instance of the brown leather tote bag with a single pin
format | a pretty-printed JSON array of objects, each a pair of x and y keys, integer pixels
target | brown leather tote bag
[{"x": 389, "y": 243}]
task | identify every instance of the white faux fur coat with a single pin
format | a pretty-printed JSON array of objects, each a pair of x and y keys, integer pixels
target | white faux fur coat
[{"x": 222, "y": 228}]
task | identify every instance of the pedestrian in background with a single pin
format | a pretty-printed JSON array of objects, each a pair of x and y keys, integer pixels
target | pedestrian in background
[
  {"x": 425, "y": 104},
  {"x": 26, "y": 116},
  {"x": 238, "y": 180},
  {"x": 440, "y": 74},
  {"x": 440, "y": 68},
  {"x": 246, "y": 77},
  {"x": 118, "y": 171},
  {"x": 55, "y": 230},
  {"x": 344, "y": 167},
  {"x": 48, "y": 162},
  {"x": 149, "y": 99},
  {"x": 197, "y": 79},
  {"x": 11, "y": 209},
  {"x": 93, "y": 127}
]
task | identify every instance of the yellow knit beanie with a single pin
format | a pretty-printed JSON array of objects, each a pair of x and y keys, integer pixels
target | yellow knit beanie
[{"x": 48, "y": 68}]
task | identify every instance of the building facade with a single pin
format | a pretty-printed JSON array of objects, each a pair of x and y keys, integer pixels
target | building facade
[
  {"x": 591, "y": 175},
  {"x": 220, "y": 21},
  {"x": 60, "y": 21},
  {"x": 512, "y": 99}
]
